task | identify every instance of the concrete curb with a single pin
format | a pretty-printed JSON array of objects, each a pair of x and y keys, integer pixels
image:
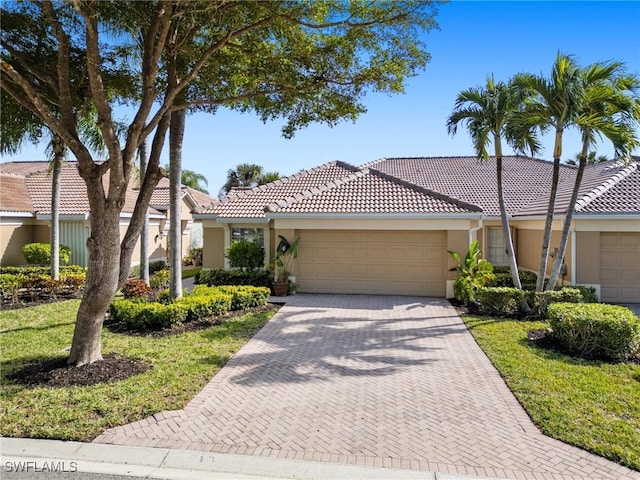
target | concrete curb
[{"x": 145, "y": 462}]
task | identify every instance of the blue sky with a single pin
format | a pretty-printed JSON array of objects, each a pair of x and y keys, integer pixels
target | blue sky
[{"x": 475, "y": 39}]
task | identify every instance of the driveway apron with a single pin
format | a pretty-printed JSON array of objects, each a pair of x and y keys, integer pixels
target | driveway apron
[{"x": 395, "y": 382}]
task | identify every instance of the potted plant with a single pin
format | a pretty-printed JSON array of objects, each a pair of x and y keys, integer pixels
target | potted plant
[{"x": 285, "y": 254}]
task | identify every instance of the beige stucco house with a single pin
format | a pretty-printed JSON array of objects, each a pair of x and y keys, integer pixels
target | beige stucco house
[
  {"x": 386, "y": 227},
  {"x": 25, "y": 212}
]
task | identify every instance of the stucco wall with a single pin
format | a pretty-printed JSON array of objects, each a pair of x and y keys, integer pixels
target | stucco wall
[
  {"x": 213, "y": 252},
  {"x": 12, "y": 239},
  {"x": 529, "y": 245},
  {"x": 588, "y": 261}
]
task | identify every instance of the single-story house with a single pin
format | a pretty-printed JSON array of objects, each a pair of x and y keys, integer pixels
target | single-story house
[
  {"x": 386, "y": 227},
  {"x": 25, "y": 212}
]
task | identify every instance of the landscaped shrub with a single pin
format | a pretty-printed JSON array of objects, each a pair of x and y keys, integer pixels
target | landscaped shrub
[
  {"x": 245, "y": 255},
  {"x": 141, "y": 315},
  {"x": 135, "y": 288},
  {"x": 160, "y": 279},
  {"x": 500, "y": 301},
  {"x": 595, "y": 330},
  {"x": 565, "y": 295},
  {"x": 503, "y": 278},
  {"x": 41, "y": 287},
  {"x": 244, "y": 296},
  {"x": 40, "y": 253},
  {"x": 218, "y": 276},
  {"x": 589, "y": 294},
  {"x": 10, "y": 285},
  {"x": 33, "y": 285},
  {"x": 35, "y": 270},
  {"x": 474, "y": 273},
  {"x": 193, "y": 258},
  {"x": 205, "y": 304}
]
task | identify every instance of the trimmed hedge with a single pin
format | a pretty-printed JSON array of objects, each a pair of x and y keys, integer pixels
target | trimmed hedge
[
  {"x": 503, "y": 278},
  {"x": 40, "y": 253},
  {"x": 245, "y": 296},
  {"x": 578, "y": 294},
  {"x": 140, "y": 315},
  {"x": 500, "y": 301},
  {"x": 595, "y": 330},
  {"x": 202, "y": 302},
  {"x": 154, "y": 267},
  {"x": 219, "y": 276}
]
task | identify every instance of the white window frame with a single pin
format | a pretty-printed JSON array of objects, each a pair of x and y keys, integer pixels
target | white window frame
[
  {"x": 247, "y": 233},
  {"x": 496, "y": 252}
]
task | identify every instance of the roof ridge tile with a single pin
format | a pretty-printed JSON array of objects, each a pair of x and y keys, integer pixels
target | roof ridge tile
[{"x": 604, "y": 187}]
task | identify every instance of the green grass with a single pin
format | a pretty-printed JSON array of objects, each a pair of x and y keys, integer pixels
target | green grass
[
  {"x": 191, "y": 272},
  {"x": 182, "y": 365},
  {"x": 589, "y": 404}
]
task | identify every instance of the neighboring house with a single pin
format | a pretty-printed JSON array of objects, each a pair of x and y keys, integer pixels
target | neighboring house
[
  {"x": 386, "y": 227},
  {"x": 25, "y": 212}
]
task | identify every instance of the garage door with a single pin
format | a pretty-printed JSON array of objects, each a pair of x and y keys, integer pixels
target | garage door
[
  {"x": 372, "y": 262},
  {"x": 620, "y": 267}
]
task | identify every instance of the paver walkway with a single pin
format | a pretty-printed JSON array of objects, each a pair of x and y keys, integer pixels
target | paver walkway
[{"x": 377, "y": 381}]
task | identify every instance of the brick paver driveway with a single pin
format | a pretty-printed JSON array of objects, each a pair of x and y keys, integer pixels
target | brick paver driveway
[{"x": 380, "y": 381}]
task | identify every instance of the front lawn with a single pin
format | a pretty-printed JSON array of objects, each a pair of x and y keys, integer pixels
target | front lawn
[
  {"x": 589, "y": 404},
  {"x": 181, "y": 365}
]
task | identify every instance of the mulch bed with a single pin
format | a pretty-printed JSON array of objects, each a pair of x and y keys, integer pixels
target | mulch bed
[{"x": 56, "y": 372}]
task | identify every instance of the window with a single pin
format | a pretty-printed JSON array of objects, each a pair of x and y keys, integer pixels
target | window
[
  {"x": 251, "y": 234},
  {"x": 496, "y": 248}
]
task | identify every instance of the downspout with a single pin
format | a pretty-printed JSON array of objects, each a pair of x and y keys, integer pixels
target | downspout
[
  {"x": 472, "y": 231},
  {"x": 574, "y": 255}
]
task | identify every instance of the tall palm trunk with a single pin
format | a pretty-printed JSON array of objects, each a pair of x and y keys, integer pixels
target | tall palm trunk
[
  {"x": 546, "y": 240},
  {"x": 176, "y": 135},
  {"x": 144, "y": 233},
  {"x": 58, "y": 155},
  {"x": 506, "y": 229},
  {"x": 559, "y": 260}
]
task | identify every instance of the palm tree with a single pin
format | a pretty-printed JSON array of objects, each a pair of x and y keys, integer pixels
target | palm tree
[
  {"x": 592, "y": 159},
  {"x": 486, "y": 112},
  {"x": 609, "y": 107},
  {"x": 552, "y": 103},
  {"x": 247, "y": 175},
  {"x": 193, "y": 180}
]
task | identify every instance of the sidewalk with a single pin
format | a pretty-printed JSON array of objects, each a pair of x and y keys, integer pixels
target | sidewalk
[{"x": 146, "y": 462}]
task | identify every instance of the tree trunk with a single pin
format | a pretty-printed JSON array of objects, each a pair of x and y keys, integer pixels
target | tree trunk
[
  {"x": 506, "y": 230},
  {"x": 559, "y": 260},
  {"x": 58, "y": 156},
  {"x": 100, "y": 286},
  {"x": 176, "y": 135},
  {"x": 144, "y": 233},
  {"x": 546, "y": 240}
]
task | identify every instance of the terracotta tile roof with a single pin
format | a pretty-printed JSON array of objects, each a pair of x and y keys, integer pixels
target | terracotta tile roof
[
  {"x": 160, "y": 198},
  {"x": 24, "y": 168},
  {"x": 370, "y": 192},
  {"x": 14, "y": 196},
  {"x": 201, "y": 199},
  {"x": 608, "y": 183},
  {"x": 473, "y": 181},
  {"x": 620, "y": 194},
  {"x": 35, "y": 189},
  {"x": 252, "y": 202}
]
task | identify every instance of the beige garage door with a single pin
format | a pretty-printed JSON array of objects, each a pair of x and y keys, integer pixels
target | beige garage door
[
  {"x": 620, "y": 267},
  {"x": 372, "y": 262}
]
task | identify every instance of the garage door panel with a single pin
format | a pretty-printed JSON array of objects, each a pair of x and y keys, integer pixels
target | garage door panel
[
  {"x": 620, "y": 267},
  {"x": 377, "y": 262}
]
